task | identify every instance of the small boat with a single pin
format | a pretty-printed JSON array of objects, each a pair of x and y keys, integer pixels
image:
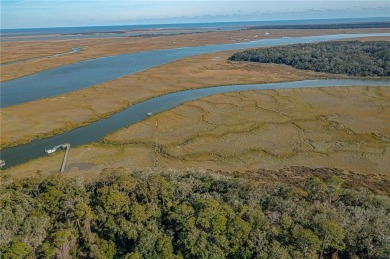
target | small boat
[
  {"x": 49, "y": 151},
  {"x": 149, "y": 114},
  {"x": 2, "y": 163},
  {"x": 52, "y": 150}
]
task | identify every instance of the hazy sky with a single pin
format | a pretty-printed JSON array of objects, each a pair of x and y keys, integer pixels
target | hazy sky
[{"x": 59, "y": 13}]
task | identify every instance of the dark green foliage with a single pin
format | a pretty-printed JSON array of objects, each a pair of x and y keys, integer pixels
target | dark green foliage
[
  {"x": 353, "y": 58},
  {"x": 325, "y": 26},
  {"x": 189, "y": 215}
]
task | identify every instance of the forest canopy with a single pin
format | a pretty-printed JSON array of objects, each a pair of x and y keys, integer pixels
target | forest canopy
[
  {"x": 189, "y": 215},
  {"x": 353, "y": 58},
  {"x": 324, "y": 26}
]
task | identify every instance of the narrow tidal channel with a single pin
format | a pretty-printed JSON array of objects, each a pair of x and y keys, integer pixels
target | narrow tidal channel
[{"x": 95, "y": 131}]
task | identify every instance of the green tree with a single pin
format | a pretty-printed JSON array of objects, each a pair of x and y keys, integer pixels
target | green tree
[
  {"x": 17, "y": 251},
  {"x": 164, "y": 247},
  {"x": 334, "y": 189},
  {"x": 331, "y": 235},
  {"x": 278, "y": 252},
  {"x": 316, "y": 188},
  {"x": 133, "y": 255},
  {"x": 307, "y": 241},
  {"x": 63, "y": 241}
]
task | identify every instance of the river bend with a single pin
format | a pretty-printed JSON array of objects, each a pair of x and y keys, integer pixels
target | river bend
[{"x": 135, "y": 113}]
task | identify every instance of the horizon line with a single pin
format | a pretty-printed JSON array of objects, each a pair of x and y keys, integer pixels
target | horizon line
[{"x": 212, "y": 22}]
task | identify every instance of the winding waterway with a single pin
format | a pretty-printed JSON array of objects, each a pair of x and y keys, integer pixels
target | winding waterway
[
  {"x": 95, "y": 131},
  {"x": 87, "y": 73}
]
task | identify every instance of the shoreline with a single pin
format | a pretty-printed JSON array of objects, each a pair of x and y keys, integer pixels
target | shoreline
[
  {"x": 88, "y": 73},
  {"x": 98, "y": 48}
]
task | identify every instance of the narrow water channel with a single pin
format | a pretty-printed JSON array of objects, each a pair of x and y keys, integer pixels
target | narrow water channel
[
  {"x": 95, "y": 131},
  {"x": 72, "y": 51}
]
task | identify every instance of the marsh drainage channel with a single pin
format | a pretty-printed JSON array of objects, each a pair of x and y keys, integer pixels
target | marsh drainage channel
[
  {"x": 138, "y": 112},
  {"x": 91, "y": 72},
  {"x": 73, "y": 51}
]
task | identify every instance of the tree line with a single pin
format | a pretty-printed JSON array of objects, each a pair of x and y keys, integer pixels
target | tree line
[
  {"x": 353, "y": 58},
  {"x": 325, "y": 26},
  {"x": 189, "y": 215}
]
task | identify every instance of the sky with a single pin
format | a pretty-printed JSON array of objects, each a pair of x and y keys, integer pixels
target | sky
[{"x": 70, "y": 13}]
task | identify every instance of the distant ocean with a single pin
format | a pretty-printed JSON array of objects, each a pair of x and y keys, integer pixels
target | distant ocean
[{"x": 118, "y": 30}]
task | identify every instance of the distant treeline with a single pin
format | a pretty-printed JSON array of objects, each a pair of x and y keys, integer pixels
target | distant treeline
[
  {"x": 353, "y": 58},
  {"x": 190, "y": 215},
  {"x": 325, "y": 26}
]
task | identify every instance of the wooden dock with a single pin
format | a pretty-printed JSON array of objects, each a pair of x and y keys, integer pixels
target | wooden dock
[{"x": 66, "y": 147}]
